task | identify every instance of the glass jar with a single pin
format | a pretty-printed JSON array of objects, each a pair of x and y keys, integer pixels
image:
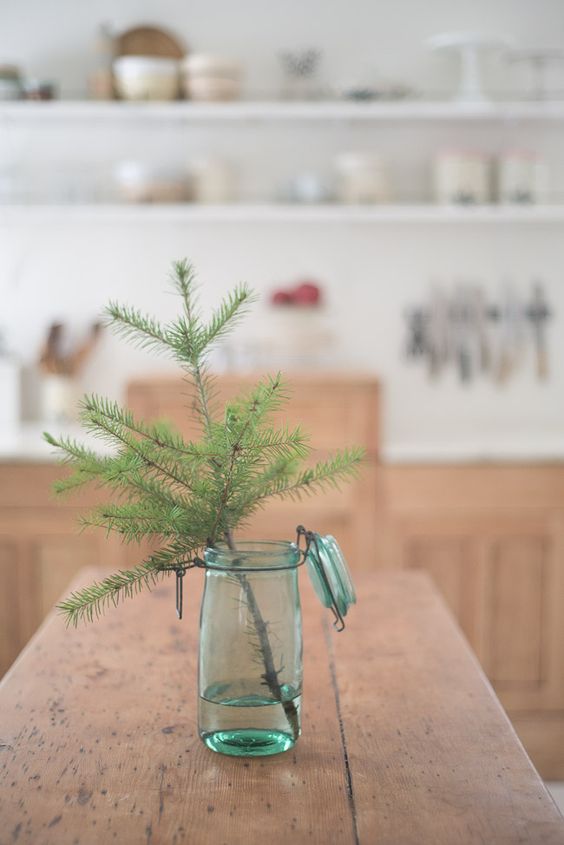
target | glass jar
[
  {"x": 361, "y": 178},
  {"x": 250, "y": 661}
]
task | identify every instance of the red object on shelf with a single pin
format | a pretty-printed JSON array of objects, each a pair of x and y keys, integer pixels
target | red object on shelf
[
  {"x": 281, "y": 297},
  {"x": 306, "y": 293}
]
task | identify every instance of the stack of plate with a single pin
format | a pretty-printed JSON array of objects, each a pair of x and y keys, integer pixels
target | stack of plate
[{"x": 208, "y": 77}]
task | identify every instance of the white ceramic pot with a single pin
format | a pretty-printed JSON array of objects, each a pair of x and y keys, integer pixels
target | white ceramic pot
[
  {"x": 522, "y": 178},
  {"x": 10, "y": 392},
  {"x": 361, "y": 178},
  {"x": 462, "y": 178},
  {"x": 213, "y": 181},
  {"x": 59, "y": 396}
]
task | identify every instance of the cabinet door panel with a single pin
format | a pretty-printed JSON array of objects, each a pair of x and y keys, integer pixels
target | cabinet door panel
[
  {"x": 10, "y": 627},
  {"x": 443, "y": 558},
  {"x": 58, "y": 559},
  {"x": 451, "y": 563},
  {"x": 517, "y": 578}
]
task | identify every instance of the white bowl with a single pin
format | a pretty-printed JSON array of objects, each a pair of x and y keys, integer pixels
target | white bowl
[
  {"x": 138, "y": 181},
  {"x": 142, "y": 65},
  {"x": 146, "y": 78}
]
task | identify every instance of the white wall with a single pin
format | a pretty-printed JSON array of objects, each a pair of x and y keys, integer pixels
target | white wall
[{"x": 372, "y": 271}]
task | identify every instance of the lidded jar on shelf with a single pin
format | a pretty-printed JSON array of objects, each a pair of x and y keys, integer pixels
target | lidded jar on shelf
[
  {"x": 522, "y": 177},
  {"x": 462, "y": 177},
  {"x": 361, "y": 178}
]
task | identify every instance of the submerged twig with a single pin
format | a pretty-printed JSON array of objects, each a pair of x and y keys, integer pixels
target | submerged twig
[{"x": 270, "y": 674}]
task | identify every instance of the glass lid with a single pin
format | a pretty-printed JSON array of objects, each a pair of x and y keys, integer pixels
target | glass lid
[{"x": 330, "y": 575}]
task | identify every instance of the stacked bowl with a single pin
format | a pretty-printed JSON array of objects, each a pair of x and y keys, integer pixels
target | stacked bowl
[{"x": 207, "y": 77}]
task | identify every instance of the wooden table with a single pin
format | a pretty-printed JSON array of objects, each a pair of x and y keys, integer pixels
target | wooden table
[{"x": 403, "y": 739}]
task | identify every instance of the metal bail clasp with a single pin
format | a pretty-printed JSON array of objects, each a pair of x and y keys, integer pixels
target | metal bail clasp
[
  {"x": 321, "y": 581},
  {"x": 180, "y": 573}
]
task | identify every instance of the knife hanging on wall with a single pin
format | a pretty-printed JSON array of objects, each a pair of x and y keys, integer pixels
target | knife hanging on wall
[
  {"x": 538, "y": 313},
  {"x": 461, "y": 328}
]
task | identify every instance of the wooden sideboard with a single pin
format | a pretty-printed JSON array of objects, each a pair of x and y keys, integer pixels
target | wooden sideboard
[{"x": 491, "y": 536}]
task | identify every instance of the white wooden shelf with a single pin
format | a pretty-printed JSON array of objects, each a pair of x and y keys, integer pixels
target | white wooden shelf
[
  {"x": 246, "y": 110},
  {"x": 277, "y": 213}
]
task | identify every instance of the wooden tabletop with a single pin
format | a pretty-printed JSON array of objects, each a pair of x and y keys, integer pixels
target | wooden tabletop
[{"x": 403, "y": 739}]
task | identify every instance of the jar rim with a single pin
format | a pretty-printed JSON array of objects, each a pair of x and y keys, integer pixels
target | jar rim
[{"x": 254, "y": 556}]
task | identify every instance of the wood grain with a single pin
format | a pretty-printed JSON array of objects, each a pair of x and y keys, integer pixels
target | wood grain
[
  {"x": 404, "y": 741},
  {"x": 433, "y": 757}
]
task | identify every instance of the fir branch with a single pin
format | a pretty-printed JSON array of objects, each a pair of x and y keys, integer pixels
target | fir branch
[
  {"x": 122, "y": 472},
  {"x": 268, "y": 396},
  {"x": 184, "y": 282},
  {"x": 269, "y": 477},
  {"x": 88, "y": 465},
  {"x": 145, "y": 332},
  {"x": 343, "y": 466},
  {"x": 183, "y": 278},
  {"x": 282, "y": 443},
  {"x": 136, "y": 520},
  {"x": 188, "y": 493},
  {"x": 226, "y": 317},
  {"x": 160, "y": 434},
  {"x": 90, "y": 602},
  {"x": 141, "y": 486},
  {"x": 241, "y": 418},
  {"x": 114, "y": 431},
  {"x": 71, "y": 448}
]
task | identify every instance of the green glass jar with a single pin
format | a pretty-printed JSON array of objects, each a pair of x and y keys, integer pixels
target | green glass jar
[{"x": 250, "y": 661}]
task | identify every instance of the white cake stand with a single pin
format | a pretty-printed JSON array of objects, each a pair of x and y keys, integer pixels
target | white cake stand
[{"x": 470, "y": 46}]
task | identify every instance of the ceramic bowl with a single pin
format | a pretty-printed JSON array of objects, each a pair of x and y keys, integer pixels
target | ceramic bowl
[
  {"x": 138, "y": 181},
  {"x": 211, "y": 88},
  {"x": 146, "y": 78}
]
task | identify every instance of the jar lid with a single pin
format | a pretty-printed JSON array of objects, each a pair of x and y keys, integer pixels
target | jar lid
[{"x": 330, "y": 575}]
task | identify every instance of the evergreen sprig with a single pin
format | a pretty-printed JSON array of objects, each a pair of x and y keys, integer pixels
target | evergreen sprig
[{"x": 186, "y": 495}]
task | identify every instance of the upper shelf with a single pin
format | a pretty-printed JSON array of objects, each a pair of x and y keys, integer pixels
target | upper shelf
[
  {"x": 244, "y": 110},
  {"x": 277, "y": 213}
]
